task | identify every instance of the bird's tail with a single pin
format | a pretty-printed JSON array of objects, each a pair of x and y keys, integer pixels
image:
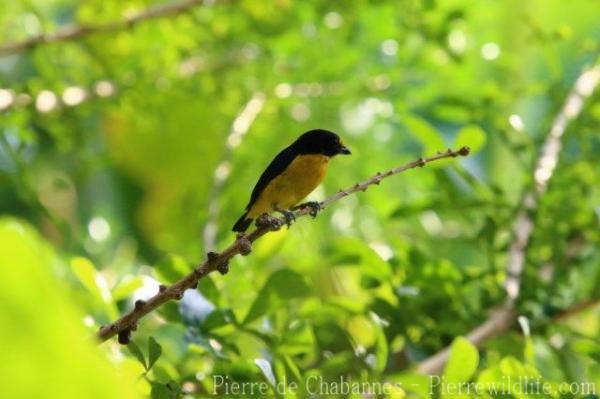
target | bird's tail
[{"x": 242, "y": 224}]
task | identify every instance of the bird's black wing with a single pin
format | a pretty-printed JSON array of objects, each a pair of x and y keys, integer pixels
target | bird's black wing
[{"x": 275, "y": 168}]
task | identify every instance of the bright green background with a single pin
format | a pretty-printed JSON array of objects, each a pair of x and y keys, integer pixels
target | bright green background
[{"x": 377, "y": 282}]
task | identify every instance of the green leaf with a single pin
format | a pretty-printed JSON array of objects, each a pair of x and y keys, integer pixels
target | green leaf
[
  {"x": 331, "y": 337},
  {"x": 86, "y": 273},
  {"x": 471, "y": 136},
  {"x": 425, "y": 133},
  {"x": 298, "y": 339},
  {"x": 44, "y": 353},
  {"x": 266, "y": 369},
  {"x": 137, "y": 353},
  {"x": 288, "y": 284},
  {"x": 462, "y": 362},
  {"x": 529, "y": 351},
  {"x": 415, "y": 384},
  {"x": 160, "y": 391},
  {"x": 350, "y": 251},
  {"x": 218, "y": 318},
  {"x": 172, "y": 269},
  {"x": 292, "y": 367},
  {"x": 381, "y": 345},
  {"x": 175, "y": 389},
  {"x": 126, "y": 287},
  {"x": 282, "y": 285},
  {"x": 209, "y": 290},
  {"x": 154, "y": 352},
  {"x": 260, "y": 306},
  {"x": 170, "y": 311}
]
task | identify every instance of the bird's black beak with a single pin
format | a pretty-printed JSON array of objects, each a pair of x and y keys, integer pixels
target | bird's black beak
[{"x": 344, "y": 150}]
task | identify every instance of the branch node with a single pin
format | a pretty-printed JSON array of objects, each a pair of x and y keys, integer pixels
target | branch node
[
  {"x": 267, "y": 221},
  {"x": 464, "y": 151},
  {"x": 421, "y": 162},
  {"x": 223, "y": 268},
  {"x": 245, "y": 245},
  {"x": 124, "y": 337},
  {"x": 139, "y": 304},
  {"x": 162, "y": 288}
]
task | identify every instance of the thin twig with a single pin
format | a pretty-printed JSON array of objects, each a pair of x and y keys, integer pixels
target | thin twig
[
  {"x": 242, "y": 245},
  {"x": 104, "y": 88},
  {"x": 501, "y": 320},
  {"x": 239, "y": 128},
  {"x": 74, "y": 32}
]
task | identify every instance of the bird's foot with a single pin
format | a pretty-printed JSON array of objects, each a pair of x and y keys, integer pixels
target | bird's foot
[
  {"x": 288, "y": 216},
  {"x": 314, "y": 206}
]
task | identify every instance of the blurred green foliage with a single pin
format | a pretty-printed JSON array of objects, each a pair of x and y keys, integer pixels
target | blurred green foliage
[
  {"x": 109, "y": 193},
  {"x": 45, "y": 349}
]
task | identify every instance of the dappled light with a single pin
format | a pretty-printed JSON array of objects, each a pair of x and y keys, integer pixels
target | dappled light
[{"x": 448, "y": 246}]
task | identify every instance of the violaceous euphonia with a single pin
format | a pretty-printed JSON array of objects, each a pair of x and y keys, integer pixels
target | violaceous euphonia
[{"x": 293, "y": 174}]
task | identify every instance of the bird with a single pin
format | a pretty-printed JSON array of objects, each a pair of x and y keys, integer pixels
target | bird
[{"x": 293, "y": 174}]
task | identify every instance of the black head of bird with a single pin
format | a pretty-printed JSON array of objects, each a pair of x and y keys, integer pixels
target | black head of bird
[{"x": 320, "y": 141}]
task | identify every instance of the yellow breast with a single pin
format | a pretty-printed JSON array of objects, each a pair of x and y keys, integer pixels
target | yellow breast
[{"x": 298, "y": 180}]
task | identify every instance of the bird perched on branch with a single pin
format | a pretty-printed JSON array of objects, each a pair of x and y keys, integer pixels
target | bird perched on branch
[{"x": 293, "y": 174}]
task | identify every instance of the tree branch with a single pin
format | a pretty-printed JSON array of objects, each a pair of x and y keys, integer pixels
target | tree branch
[
  {"x": 74, "y": 32},
  {"x": 546, "y": 163},
  {"x": 501, "y": 320},
  {"x": 73, "y": 96},
  {"x": 243, "y": 245},
  {"x": 577, "y": 308}
]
